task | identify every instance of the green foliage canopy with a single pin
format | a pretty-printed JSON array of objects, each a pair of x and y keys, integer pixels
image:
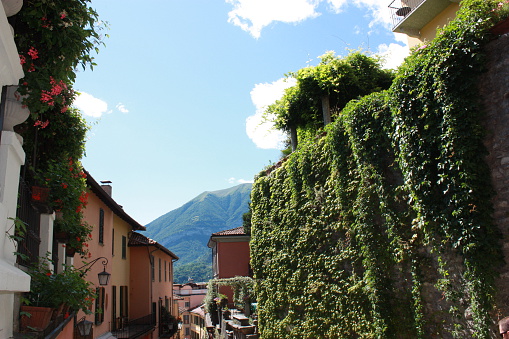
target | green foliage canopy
[
  {"x": 382, "y": 228},
  {"x": 341, "y": 79}
]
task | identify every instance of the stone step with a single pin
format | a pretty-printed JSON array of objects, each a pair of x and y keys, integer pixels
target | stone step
[{"x": 240, "y": 319}]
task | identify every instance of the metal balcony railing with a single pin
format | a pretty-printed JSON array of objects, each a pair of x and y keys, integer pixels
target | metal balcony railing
[
  {"x": 29, "y": 245},
  {"x": 133, "y": 328},
  {"x": 401, "y": 9}
]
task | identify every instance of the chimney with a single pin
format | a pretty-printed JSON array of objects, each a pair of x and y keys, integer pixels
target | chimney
[{"x": 106, "y": 185}]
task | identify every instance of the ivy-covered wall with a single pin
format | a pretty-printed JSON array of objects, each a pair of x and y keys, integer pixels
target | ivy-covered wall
[
  {"x": 494, "y": 92},
  {"x": 382, "y": 225}
]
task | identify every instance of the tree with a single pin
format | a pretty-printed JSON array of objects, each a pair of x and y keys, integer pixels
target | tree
[{"x": 322, "y": 91}]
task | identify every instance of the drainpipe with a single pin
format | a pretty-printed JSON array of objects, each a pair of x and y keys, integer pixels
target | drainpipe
[
  {"x": 153, "y": 264},
  {"x": 2, "y": 109}
]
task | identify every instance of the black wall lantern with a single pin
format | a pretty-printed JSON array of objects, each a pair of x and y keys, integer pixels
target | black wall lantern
[
  {"x": 84, "y": 327},
  {"x": 104, "y": 277}
]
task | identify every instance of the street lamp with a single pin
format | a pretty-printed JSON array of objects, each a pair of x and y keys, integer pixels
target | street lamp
[
  {"x": 104, "y": 277},
  {"x": 84, "y": 327}
]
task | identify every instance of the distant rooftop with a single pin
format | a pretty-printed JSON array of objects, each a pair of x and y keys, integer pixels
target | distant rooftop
[
  {"x": 233, "y": 231},
  {"x": 138, "y": 239}
]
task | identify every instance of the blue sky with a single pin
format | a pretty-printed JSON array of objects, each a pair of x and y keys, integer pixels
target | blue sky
[{"x": 176, "y": 97}]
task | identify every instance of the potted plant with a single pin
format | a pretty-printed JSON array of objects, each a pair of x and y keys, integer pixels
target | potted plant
[
  {"x": 501, "y": 17},
  {"x": 49, "y": 292}
]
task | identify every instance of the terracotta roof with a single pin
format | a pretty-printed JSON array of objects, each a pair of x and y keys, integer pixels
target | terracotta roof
[
  {"x": 198, "y": 310},
  {"x": 233, "y": 231},
  {"x": 137, "y": 239}
]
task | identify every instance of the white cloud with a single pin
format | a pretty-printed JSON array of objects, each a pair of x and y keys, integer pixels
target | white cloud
[
  {"x": 233, "y": 180},
  {"x": 253, "y": 15},
  {"x": 393, "y": 55},
  {"x": 90, "y": 106},
  {"x": 260, "y": 131},
  {"x": 337, "y": 4},
  {"x": 121, "y": 107}
]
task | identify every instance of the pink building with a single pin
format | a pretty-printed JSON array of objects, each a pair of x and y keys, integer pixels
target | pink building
[
  {"x": 152, "y": 284},
  {"x": 230, "y": 256}
]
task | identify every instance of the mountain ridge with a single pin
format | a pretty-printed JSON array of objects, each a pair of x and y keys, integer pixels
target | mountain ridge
[{"x": 186, "y": 230}]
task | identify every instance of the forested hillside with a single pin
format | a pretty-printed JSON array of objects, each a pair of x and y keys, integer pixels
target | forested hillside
[{"x": 187, "y": 229}]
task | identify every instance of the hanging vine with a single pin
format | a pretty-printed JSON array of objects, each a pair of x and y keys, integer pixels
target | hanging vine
[{"x": 381, "y": 227}]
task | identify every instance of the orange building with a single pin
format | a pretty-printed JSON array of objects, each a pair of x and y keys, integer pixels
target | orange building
[
  {"x": 112, "y": 227},
  {"x": 152, "y": 284},
  {"x": 230, "y": 256}
]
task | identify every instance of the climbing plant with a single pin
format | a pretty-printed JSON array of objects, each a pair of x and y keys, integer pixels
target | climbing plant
[
  {"x": 338, "y": 79},
  {"x": 243, "y": 291},
  {"x": 379, "y": 225}
]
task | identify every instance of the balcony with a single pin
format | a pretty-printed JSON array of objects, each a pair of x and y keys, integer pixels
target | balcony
[
  {"x": 128, "y": 329},
  {"x": 410, "y": 16}
]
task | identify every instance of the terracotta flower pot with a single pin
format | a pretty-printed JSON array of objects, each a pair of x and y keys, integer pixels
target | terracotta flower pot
[
  {"x": 40, "y": 194},
  {"x": 61, "y": 237},
  {"x": 70, "y": 251},
  {"x": 39, "y": 319},
  {"x": 501, "y": 28}
]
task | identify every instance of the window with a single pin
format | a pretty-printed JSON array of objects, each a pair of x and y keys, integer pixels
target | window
[
  {"x": 165, "y": 272},
  {"x": 124, "y": 247},
  {"x": 159, "y": 269},
  {"x": 114, "y": 302},
  {"x": 186, "y": 319},
  {"x": 154, "y": 312},
  {"x": 123, "y": 301},
  {"x": 101, "y": 226},
  {"x": 188, "y": 330},
  {"x": 113, "y": 242},
  {"x": 99, "y": 305},
  {"x": 152, "y": 268},
  {"x": 188, "y": 304}
]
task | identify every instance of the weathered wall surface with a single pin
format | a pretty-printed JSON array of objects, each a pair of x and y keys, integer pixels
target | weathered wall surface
[{"x": 494, "y": 89}]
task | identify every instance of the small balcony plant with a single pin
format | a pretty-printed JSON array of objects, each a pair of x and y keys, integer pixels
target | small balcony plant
[{"x": 51, "y": 293}]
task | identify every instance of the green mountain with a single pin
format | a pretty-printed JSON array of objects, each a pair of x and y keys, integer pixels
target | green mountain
[{"x": 186, "y": 230}]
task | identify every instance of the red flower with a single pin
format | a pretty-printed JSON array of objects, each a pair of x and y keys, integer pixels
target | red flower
[
  {"x": 48, "y": 274},
  {"x": 66, "y": 315},
  {"x": 64, "y": 185},
  {"x": 41, "y": 124},
  {"x": 33, "y": 53},
  {"x": 22, "y": 59}
]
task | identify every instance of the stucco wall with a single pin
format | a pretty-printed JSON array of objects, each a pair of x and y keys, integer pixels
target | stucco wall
[
  {"x": 233, "y": 259},
  {"x": 494, "y": 89},
  {"x": 429, "y": 31}
]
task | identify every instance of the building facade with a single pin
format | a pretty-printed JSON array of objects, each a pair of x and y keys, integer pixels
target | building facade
[
  {"x": 230, "y": 256},
  {"x": 152, "y": 284},
  {"x": 420, "y": 19},
  {"x": 12, "y": 157}
]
